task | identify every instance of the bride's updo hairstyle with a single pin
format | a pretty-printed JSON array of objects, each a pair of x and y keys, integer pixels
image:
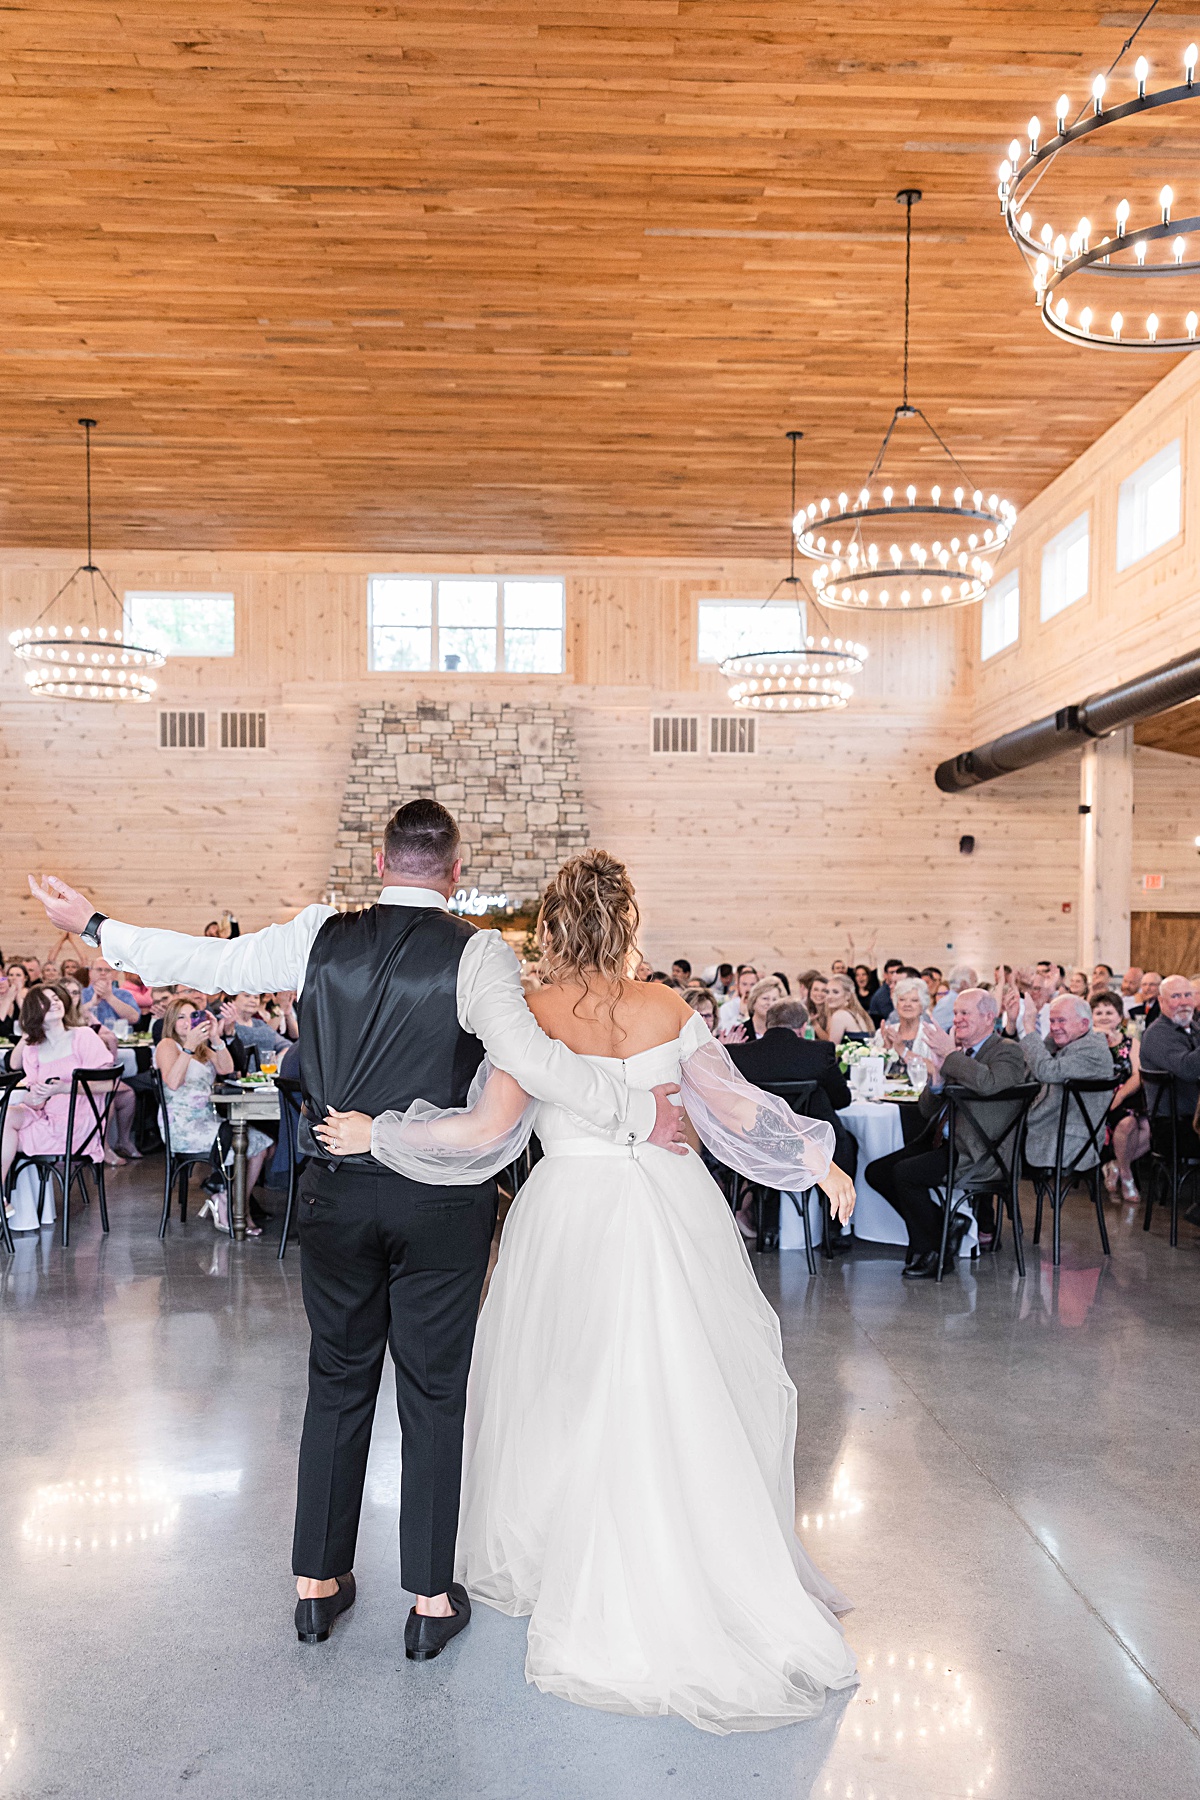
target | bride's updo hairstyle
[{"x": 589, "y": 920}]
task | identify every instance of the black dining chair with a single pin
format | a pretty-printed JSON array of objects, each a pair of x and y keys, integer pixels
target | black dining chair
[
  {"x": 93, "y": 1092},
  {"x": 798, "y": 1095},
  {"x": 1171, "y": 1140},
  {"x": 10, "y": 1080},
  {"x": 1004, "y": 1147},
  {"x": 177, "y": 1164},
  {"x": 1053, "y": 1184},
  {"x": 291, "y": 1107}
]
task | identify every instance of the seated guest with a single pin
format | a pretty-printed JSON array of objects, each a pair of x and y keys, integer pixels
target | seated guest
[
  {"x": 1131, "y": 981},
  {"x": 783, "y": 1053},
  {"x": 734, "y": 1010},
  {"x": 1102, "y": 975},
  {"x": 1128, "y": 1129},
  {"x": 932, "y": 977},
  {"x": 681, "y": 973},
  {"x": 189, "y": 1057},
  {"x": 902, "y": 1035},
  {"x": 1078, "y": 983},
  {"x": 722, "y": 981},
  {"x": 133, "y": 984},
  {"x": 112, "y": 1003},
  {"x": 843, "y": 1011},
  {"x": 241, "y": 1018},
  {"x": 33, "y": 969},
  {"x": 227, "y": 927},
  {"x": 804, "y": 985},
  {"x": 47, "y": 1053},
  {"x": 961, "y": 977},
  {"x": 865, "y": 982},
  {"x": 180, "y": 991},
  {"x": 782, "y": 979},
  {"x": 759, "y": 1001},
  {"x": 279, "y": 1010},
  {"x": 120, "y": 1147},
  {"x": 1171, "y": 1046},
  {"x": 10, "y": 1007},
  {"x": 50, "y": 973},
  {"x": 1071, "y": 1051},
  {"x": 1145, "y": 1008},
  {"x": 881, "y": 1000},
  {"x": 978, "y": 1057},
  {"x": 705, "y": 1003}
]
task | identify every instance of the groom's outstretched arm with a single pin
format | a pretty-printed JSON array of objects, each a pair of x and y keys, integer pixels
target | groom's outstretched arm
[
  {"x": 492, "y": 1006},
  {"x": 260, "y": 962}
]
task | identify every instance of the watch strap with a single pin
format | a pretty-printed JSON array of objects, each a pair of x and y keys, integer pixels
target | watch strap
[{"x": 91, "y": 931}]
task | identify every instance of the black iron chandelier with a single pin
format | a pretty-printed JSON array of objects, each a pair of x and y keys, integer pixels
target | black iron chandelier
[
  {"x": 1056, "y": 258},
  {"x": 942, "y": 548},
  {"x": 85, "y": 662},
  {"x": 810, "y": 678}
]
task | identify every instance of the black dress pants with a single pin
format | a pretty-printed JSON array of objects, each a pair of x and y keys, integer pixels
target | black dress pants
[
  {"x": 385, "y": 1261},
  {"x": 904, "y": 1179}
]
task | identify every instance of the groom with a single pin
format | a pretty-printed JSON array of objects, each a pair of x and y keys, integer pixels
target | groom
[{"x": 399, "y": 1002}]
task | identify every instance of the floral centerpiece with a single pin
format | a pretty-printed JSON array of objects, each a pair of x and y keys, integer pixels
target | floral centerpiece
[{"x": 849, "y": 1053}]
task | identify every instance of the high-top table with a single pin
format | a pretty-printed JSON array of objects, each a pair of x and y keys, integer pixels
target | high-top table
[{"x": 244, "y": 1107}]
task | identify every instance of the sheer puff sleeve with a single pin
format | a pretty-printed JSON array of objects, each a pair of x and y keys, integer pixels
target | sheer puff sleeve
[
  {"x": 755, "y": 1133},
  {"x": 458, "y": 1146}
]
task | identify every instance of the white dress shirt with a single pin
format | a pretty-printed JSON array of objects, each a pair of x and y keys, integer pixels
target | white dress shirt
[{"x": 491, "y": 1001}]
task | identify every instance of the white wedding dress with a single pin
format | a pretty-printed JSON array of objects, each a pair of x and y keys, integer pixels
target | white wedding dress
[{"x": 631, "y": 1427}]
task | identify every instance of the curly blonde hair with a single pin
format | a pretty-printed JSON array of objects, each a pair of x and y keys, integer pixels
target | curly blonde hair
[{"x": 588, "y": 923}]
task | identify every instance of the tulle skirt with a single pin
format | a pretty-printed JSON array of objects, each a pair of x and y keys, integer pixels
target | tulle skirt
[{"x": 629, "y": 1455}]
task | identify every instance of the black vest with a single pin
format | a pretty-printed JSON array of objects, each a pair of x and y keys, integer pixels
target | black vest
[{"x": 379, "y": 1016}]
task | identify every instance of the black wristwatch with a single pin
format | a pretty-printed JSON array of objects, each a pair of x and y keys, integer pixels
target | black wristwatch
[{"x": 91, "y": 931}]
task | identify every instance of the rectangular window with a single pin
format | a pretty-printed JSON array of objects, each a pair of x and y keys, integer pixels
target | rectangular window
[
  {"x": 467, "y": 624},
  {"x": 1000, "y": 617},
  {"x": 180, "y": 624},
  {"x": 1148, "y": 507},
  {"x": 1065, "y": 567},
  {"x": 739, "y": 627}
]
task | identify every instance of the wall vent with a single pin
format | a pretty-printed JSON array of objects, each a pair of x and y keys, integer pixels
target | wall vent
[
  {"x": 182, "y": 730},
  {"x": 243, "y": 731},
  {"x": 733, "y": 734},
  {"x": 674, "y": 734}
]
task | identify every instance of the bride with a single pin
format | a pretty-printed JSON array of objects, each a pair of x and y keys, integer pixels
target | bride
[{"x": 628, "y": 1482}]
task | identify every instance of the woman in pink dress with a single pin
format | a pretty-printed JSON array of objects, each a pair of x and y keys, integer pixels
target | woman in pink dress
[{"x": 48, "y": 1052}]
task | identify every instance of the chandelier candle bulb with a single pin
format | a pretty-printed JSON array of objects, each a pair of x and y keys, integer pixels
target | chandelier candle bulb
[
  {"x": 1061, "y": 109},
  {"x": 1122, "y": 217},
  {"x": 1035, "y": 131},
  {"x": 1098, "y": 87},
  {"x": 1141, "y": 69},
  {"x": 1189, "y": 63},
  {"x": 1152, "y": 327},
  {"x": 1139, "y": 250},
  {"x": 1164, "y": 200},
  {"x": 1178, "y": 247},
  {"x": 1191, "y": 322},
  {"x": 1117, "y": 323}
]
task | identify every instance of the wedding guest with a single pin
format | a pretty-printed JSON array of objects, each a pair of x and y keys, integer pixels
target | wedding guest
[
  {"x": 704, "y": 1002},
  {"x": 881, "y": 1000},
  {"x": 1171, "y": 1046},
  {"x": 723, "y": 981},
  {"x": 962, "y": 976},
  {"x": 932, "y": 977},
  {"x": 1077, "y": 983},
  {"x": 1146, "y": 1007},
  {"x": 279, "y": 1010},
  {"x": 225, "y": 927},
  {"x": 804, "y": 984},
  {"x": 134, "y": 985},
  {"x": 1102, "y": 975},
  {"x": 843, "y": 1012},
  {"x": 681, "y": 973},
  {"x": 865, "y": 982},
  {"x": 782, "y": 979},
  {"x": 189, "y": 1057},
  {"x": 50, "y": 973},
  {"x": 1128, "y": 1135},
  {"x": 112, "y": 1002},
  {"x": 903, "y": 1035},
  {"x": 47, "y": 1053},
  {"x": 33, "y": 969},
  {"x": 783, "y": 1053},
  {"x": 120, "y": 1147},
  {"x": 735, "y": 1011},
  {"x": 242, "y": 1018},
  {"x": 10, "y": 1008},
  {"x": 1071, "y": 1051},
  {"x": 759, "y": 1001},
  {"x": 978, "y": 1057},
  {"x": 818, "y": 989},
  {"x": 644, "y": 971},
  {"x": 1131, "y": 981}
]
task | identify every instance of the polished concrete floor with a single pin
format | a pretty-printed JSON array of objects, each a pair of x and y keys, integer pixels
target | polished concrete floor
[{"x": 1002, "y": 1474}]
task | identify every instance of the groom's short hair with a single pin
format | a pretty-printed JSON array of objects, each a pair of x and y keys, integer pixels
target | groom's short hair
[{"x": 421, "y": 837}]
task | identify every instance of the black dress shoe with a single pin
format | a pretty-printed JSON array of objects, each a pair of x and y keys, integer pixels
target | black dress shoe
[
  {"x": 425, "y": 1638},
  {"x": 922, "y": 1268},
  {"x": 314, "y": 1618}
]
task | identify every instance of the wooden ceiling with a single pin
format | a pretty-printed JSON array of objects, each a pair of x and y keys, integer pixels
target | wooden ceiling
[
  {"x": 1177, "y": 730},
  {"x": 518, "y": 277}
]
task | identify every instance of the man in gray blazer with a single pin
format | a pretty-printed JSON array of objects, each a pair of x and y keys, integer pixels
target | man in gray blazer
[
  {"x": 1070, "y": 1051},
  {"x": 976, "y": 1056}
]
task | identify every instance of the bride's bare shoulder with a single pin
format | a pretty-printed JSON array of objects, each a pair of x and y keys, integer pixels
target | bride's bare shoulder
[{"x": 645, "y": 1013}]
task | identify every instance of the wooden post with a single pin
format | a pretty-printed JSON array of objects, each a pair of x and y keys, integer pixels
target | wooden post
[{"x": 1105, "y": 850}]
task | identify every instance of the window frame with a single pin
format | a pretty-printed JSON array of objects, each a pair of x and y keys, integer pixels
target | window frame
[
  {"x": 499, "y": 581},
  {"x": 137, "y": 634},
  {"x": 1007, "y": 586},
  {"x": 1050, "y": 547},
  {"x": 792, "y": 607},
  {"x": 1143, "y": 474}
]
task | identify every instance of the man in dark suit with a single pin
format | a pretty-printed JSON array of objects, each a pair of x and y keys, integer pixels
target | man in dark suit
[
  {"x": 783, "y": 1053},
  {"x": 977, "y": 1057},
  {"x": 1171, "y": 1047}
]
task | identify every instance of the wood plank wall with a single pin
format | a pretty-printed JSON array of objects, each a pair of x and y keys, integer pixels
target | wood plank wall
[{"x": 834, "y": 830}]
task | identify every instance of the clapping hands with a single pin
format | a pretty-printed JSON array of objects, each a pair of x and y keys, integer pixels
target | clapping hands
[{"x": 938, "y": 1044}]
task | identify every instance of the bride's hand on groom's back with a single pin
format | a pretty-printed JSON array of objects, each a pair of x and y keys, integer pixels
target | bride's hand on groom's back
[
  {"x": 668, "y": 1131},
  {"x": 345, "y": 1133}
]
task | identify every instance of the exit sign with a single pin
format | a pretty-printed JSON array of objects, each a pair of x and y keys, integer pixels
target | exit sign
[{"x": 1151, "y": 883}]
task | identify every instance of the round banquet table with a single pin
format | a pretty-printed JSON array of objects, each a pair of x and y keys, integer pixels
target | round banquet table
[{"x": 878, "y": 1129}]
